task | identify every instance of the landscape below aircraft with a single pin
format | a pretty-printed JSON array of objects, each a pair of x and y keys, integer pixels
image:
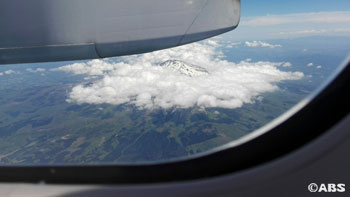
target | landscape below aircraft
[{"x": 43, "y": 31}]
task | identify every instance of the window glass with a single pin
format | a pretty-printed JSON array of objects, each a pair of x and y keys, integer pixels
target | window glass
[{"x": 172, "y": 103}]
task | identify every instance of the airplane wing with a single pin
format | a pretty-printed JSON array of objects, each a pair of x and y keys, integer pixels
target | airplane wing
[{"x": 42, "y": 30}]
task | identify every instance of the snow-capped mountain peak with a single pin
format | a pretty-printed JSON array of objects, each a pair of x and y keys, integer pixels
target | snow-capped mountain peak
[{"x": 185, "y": 68}]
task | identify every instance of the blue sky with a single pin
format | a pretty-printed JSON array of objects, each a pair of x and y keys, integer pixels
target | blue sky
[
  {"x": 261, "y": 7},
  {"x": 278, "y": 19}
]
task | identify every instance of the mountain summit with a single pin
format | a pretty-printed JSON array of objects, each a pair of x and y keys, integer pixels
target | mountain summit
[{"x": 185, "y": 68}]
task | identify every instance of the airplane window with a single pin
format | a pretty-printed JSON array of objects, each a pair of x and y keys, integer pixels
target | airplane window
[{"x": 176, "y": 103}]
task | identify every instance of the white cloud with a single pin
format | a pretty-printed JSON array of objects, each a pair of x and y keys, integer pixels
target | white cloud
[
  {"x": 315, "y": 17},
  {"x": 260, "y": 44},
  {"x": 232, "y": 44},
  {"x": 287, "y": 64},
  {"x": 309, "y": 32},
  {"x": 306, "y": 32},
  {"x": 212, "y": 42},
  {"x": 310, "y": 64},
  {"x": 36, "y": 70},
  {"x": 94, "y": 67},
  {"x": 139, "y": 80},
  {"x": 9, "y": 72}
]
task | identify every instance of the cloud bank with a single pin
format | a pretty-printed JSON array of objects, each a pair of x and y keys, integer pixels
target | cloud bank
[
  {"x": 314, "y": 17},
  {"x": 36, "y": 70},
  {"x": 309, "y": 32},
  {"x": 261, "y": 44},
  {"x": 139, "y": 80},
  {"x": 8, "y": 72},
  {"x": 333, "y": 23}
]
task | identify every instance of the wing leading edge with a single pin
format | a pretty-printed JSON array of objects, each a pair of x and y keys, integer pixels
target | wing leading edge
[{"x": 42, "y": 31}]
